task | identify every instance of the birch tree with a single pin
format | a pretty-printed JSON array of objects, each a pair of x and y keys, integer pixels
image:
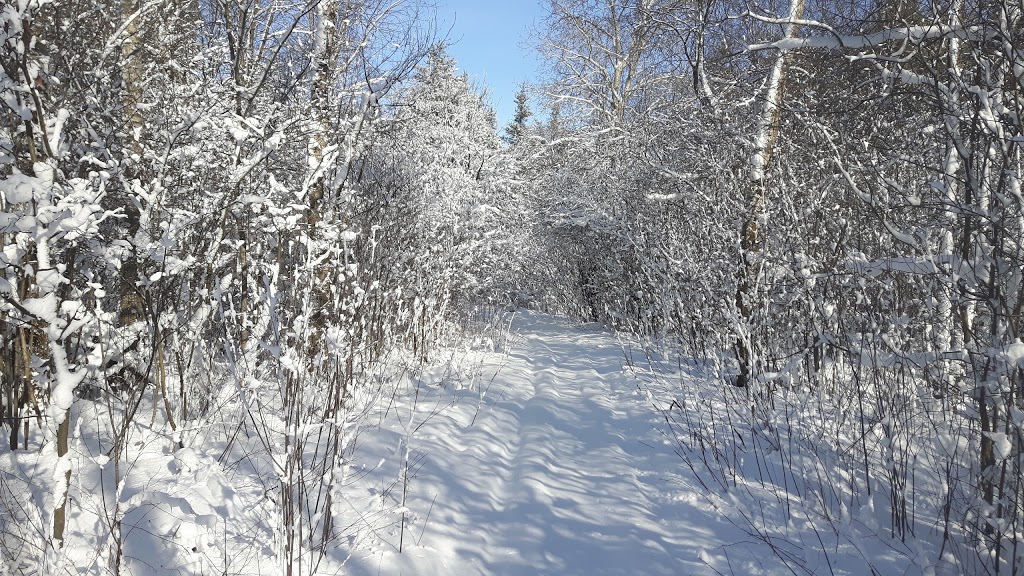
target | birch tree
[
  {"x": 950, "y": 219},
  {"x": 608, "y": 58},
  {"x": 767, "y": 133}
]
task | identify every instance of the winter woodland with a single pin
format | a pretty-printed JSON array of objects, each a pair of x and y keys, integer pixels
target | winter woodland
[{"x": 250, "y": 244}]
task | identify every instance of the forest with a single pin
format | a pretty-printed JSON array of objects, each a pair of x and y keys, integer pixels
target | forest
[{"x": 232, "y": 229}]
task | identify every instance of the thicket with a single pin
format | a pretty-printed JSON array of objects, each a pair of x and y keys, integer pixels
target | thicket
[
  {"x": 222, "y": 224},
  {"x": 228, "y": 220},
  {"x": 819, "y": 205}
]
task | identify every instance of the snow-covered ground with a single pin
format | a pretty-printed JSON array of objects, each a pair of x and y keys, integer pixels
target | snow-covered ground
[
  {"x": 547, "y": 452},
  {"x": 552, "y": 462},
  {"x": 558, "y": 457}
]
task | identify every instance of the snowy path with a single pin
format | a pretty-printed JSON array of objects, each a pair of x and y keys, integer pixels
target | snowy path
[{"x": 556, "y": 468}]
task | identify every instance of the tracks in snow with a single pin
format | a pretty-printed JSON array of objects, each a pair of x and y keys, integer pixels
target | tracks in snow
[{"x": 558, "y": 469}]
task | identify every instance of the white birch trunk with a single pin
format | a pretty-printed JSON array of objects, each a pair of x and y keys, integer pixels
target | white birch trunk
[
  {"x": 764, "y": 143},
  {"x": 947, "y": 337}
]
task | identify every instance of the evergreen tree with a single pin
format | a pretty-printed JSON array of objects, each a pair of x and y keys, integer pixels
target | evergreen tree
[{"x": 516, "y": 130}]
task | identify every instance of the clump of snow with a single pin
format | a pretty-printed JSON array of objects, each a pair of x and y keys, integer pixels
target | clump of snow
[
  {"x": 1013, "y": 354},
  {"x": 1002, "y": 444}
]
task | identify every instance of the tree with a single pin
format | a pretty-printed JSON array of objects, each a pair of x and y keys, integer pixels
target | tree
[
  {"x": 163, "y": 151},
  {"x": 764, "y": 143},
  {"x": 446, "y": 142},
  {"x": 874, "y": 233},
  {"x": 607, "y": 58},
  {"x": 517, "y": 129}
]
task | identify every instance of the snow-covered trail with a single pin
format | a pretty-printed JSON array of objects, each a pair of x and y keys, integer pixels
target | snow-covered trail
[{"x": 555, "y": 467}]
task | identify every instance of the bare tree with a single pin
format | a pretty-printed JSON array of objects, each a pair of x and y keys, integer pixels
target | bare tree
[
  {"x": 767, "y": 132},
  {"x": 609, "y": 59}
]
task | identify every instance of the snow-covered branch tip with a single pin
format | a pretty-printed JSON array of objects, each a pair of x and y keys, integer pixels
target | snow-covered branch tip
[{"x": 913, "y": 35}]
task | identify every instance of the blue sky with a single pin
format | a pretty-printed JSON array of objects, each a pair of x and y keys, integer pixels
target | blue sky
[{"x": 491, "y": 43}]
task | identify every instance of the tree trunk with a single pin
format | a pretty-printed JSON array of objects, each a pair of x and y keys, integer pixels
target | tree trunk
[
  {"x": 751, "y": 240},
  {"x": 130, "y": 308},
  {"x": 60, "y": 512}
]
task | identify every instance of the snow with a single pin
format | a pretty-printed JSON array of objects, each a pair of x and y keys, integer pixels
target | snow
[
  {"x": 556, "y": 466},
  {"x": 1013, "y": 354},
  {"x": 1002, "y": 444},
  {"x": 913, "y": 34},
  {"x": 281, "y": 407},
  {"x": 545, "y": 451},
  {"x": 57, "y": 128},
  {"x": 19, "y": 188},
  {"x": 905, "y": 265}
]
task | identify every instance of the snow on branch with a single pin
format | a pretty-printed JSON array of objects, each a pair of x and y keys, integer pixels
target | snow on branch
[
  {"x": 905, "y": 265},
  {"x": 909, "y": 34}
]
